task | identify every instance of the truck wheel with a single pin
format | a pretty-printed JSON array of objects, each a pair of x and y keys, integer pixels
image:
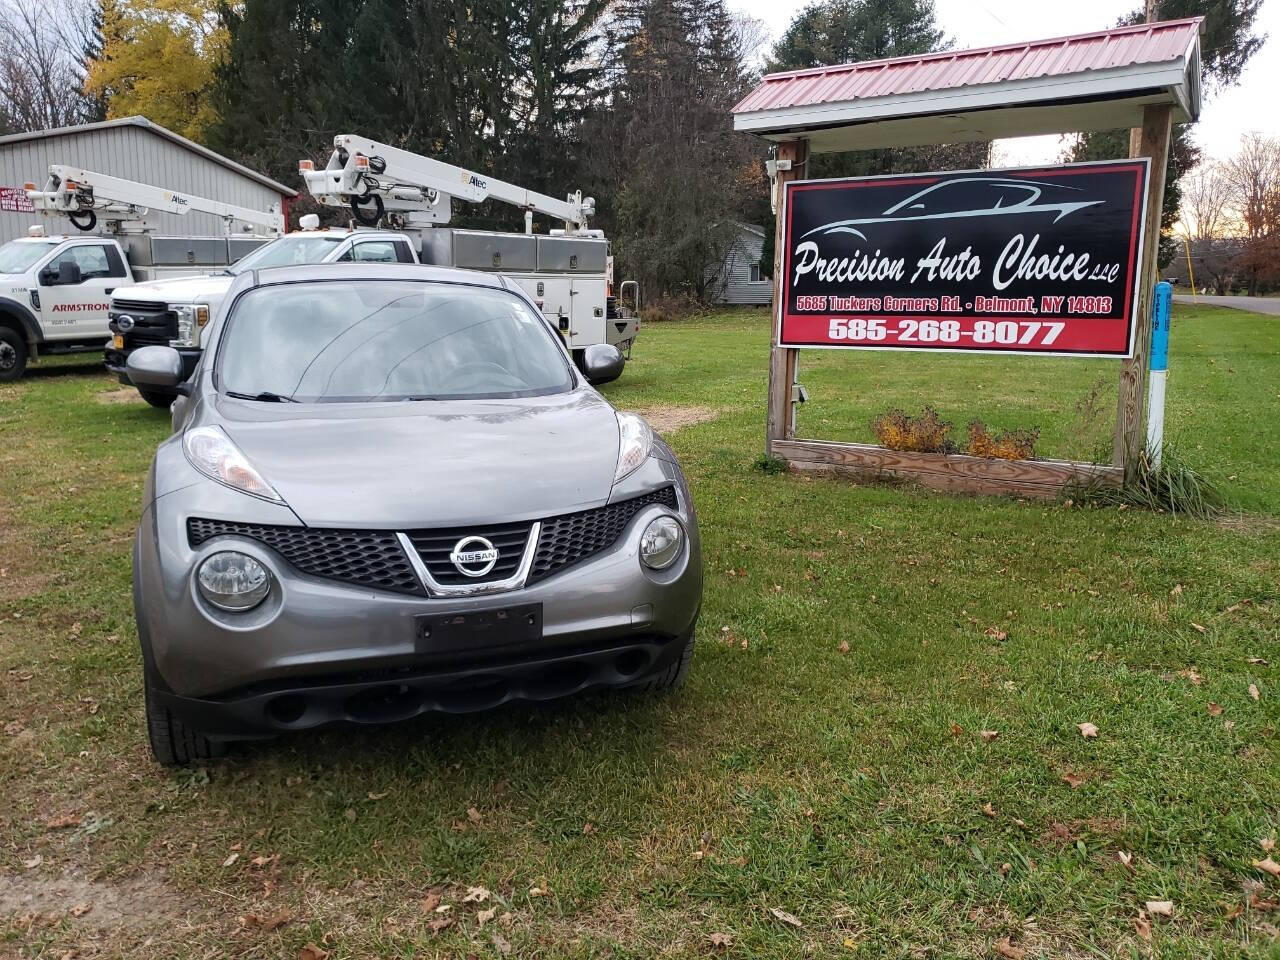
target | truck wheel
[
  {"x": 13, "y": 354},
  {"x": 156, "y": 398},
  {"x": 173, "y": 743}
]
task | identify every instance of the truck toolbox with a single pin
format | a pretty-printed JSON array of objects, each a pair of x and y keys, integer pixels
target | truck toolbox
[
  {"x": 479, "y": 249},
  {"x": 571, "y": 254},
  {"x": 180, "y": 251}
]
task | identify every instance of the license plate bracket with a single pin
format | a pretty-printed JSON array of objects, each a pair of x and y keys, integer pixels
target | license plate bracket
[{"x": 471, "y": 629}]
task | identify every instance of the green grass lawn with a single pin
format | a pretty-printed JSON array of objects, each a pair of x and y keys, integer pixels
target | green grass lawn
[{"x": 849, "y": 787}]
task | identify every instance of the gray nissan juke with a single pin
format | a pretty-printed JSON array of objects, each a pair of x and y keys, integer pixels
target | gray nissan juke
[{"x": 389, "y": 491}]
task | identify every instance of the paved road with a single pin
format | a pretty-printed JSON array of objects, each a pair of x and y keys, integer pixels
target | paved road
[{"x": 1267, "y": 305}]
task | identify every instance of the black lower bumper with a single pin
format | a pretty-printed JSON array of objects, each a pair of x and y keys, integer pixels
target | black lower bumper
[{"x": 392, "y": 695}]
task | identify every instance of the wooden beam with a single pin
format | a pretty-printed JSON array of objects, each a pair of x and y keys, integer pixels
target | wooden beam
[
  {"x": 782, "y": 361},
  {"x": 943, "y": 471},
  {"x": 1153, "y": 142}
]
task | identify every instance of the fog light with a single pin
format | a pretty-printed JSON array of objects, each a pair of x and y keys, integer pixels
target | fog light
[
  {"x": 661, "y": 543},
  {"x": 233, "y": 581}
]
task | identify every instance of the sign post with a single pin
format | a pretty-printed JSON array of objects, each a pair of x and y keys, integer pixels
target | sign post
[{"x": 1162, "y": 309}]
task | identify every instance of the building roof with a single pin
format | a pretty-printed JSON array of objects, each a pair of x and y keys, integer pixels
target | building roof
[
  {"x": 158, "y": 130},
  {"x": 1045, "y": 86}
]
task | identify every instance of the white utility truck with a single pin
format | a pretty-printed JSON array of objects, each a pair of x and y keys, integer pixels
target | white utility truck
[
  {"x": 55, "y": 289},
  {"x": 567, "y": 272}
]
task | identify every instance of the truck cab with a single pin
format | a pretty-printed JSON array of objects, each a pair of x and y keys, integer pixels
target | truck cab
[
  {"x": 54, "y": 296},
  {"x": 175, "y": 312}
]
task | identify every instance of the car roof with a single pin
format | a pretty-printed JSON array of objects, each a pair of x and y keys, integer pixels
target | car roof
[{"x": 376, "y": 271}]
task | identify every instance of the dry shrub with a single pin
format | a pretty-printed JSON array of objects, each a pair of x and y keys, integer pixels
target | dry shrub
[
  {"x": 926, "y": 433},
  {"x": 666, "y": 309},
  {"x": 1016, "y": 444}
]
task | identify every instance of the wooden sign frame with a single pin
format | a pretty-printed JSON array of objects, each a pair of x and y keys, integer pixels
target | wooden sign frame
[{"x": 962, "y": 473}]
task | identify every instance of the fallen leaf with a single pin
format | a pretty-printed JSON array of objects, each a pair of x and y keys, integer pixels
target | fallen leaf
[
  {"x": 379, "y": 796},
  {"x": 33, "y": 862},
  {"x": 1142, "y": 926},
  {"x": 842, "y": 646},
  {"x": 588, "y": 829},
  {"x": 1267, "y": 843},
  {"x": 80, "y": 909},
  {"x": 1257, "y": 661},
  {"x": 1125, "y": 857},
  {"x": 312, "y": 952},
  {"x": 1268, "y": 866},
  {"x": 1073, "y": 780},
  {"x": 1006, "y": 949},
  {"x": 473, "y": 815},
  {"x": 261, "y": 861},
  {"x": 785, "y": 917},
  {"x": 956, "y": 729},
  {"x": 484, "y": 916},
  {"x": 1233, "y": 913},
  {"x": 231, "y": 859},
  {"x": 1160, "y": 908},
  {"x": 430, "y": 901},
  {"x": 988, "y": 809},
  {"x": 1176, "y": 591},
  {"x": 1228, "y": 724},
  {"x": 267, "y": 922},
  {"x": 1087, "y": 730},
  {"x": 538, "y": 890},
  {"x": 500, "y": 943},
  {"x": 989, "y": 735},
  {"x": 1257, "y": 903},
  {"x": 721, "y": 940},
  {"x": 440, "y": 923},
  {"x": 1197, "y": 627},
  {"x": 476, "y": 895},
  {"x": 1215, "y": 710},
  {"x": 63, "y": 820},
  {"x": 1253, "y": 691},
  {"x": 995, "y": 633},
  {"x": 1190, "y": 674}
]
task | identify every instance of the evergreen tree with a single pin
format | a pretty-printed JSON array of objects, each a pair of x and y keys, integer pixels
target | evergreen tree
[{"x": 93, "y": 50}]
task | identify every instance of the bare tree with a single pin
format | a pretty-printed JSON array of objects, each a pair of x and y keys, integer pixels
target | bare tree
[
  {"x": 1254, "y": 178},
  {"x": 41, "y": 68},
  {"x": 1206, "y": 198}
]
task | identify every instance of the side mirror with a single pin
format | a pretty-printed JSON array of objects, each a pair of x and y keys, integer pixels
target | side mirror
[
  {"x": 48, "y": 277},
  {"x": 68, "y": 273},
  {"x": 154, "y": 367},
  {"x": 602, "y": 363}
]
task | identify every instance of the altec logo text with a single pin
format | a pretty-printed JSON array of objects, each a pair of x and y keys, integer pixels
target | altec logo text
[{"x": 78, "y": 307}]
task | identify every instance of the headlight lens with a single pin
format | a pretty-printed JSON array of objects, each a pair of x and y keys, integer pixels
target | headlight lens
[
  {"x": 661, "y": 543},
  {"x": 191, "y": 317},
  {"x": 233, "y": 581},
  {"x": 213, "y": 454},
  {"x": 636, "y": 440}
]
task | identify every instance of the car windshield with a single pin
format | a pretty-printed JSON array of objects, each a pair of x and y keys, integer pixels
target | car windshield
[
  {"x": 18, "y": 257},
  {"x": 289, "y": 251},
  {"x": 359, "y": 340}
]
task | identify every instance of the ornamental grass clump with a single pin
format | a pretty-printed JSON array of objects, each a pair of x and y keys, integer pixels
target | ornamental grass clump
[
  {"x": 1016, "y": 444},
  {"x": 927, "y": 433}
]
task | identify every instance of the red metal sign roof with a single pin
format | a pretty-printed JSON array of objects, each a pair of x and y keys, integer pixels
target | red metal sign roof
[{"x": 1146, "y": 43}]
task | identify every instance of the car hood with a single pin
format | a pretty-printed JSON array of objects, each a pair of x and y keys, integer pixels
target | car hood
[
  {"x": 197, "y": 289},
  {"x": 407, "y": 465}
]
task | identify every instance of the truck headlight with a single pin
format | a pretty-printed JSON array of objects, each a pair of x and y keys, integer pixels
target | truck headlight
[
  {"x": 233, "y": 581},
  {"x": 661, "y": 542},
  {"x": 191, "y": 317}
]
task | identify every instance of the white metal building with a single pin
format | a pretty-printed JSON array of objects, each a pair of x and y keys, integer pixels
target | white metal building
[
  {"x": 738, "y": 279},
  {"x": 136, "y": 149}
]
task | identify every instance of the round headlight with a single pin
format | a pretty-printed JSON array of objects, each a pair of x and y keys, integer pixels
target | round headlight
[
  {"x": 661, "y": 542},
  {"x": 233, "y": 581}
]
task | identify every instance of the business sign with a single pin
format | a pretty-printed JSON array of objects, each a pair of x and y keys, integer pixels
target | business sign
[
  {"x": 1007, "y": 261},
  {"x": 15, "y": 200}
]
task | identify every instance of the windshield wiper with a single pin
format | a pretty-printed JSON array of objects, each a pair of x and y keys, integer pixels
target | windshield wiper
[{"x": 266, "y": 396}]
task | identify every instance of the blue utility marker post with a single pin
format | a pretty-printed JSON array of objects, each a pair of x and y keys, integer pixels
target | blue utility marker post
[{"x": 1161, "y": 310}]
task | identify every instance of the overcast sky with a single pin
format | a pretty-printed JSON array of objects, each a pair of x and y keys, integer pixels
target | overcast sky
[{"x": 979, "y": 23}]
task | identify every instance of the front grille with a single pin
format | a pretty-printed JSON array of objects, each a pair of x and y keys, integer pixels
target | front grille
[
  {"x": 567, "y": 540},
  {"x": 434, "y": 547},
  {"x": 371, "y": 558},
  {"x": 153, "y": 324}
]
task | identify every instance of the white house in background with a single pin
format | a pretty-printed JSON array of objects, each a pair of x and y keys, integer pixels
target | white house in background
[{"x": 738, "y": 279}]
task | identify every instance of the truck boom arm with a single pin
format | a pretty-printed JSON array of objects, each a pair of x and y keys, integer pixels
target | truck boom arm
[
  {"x": 82, "y": 194},
  {"x": 362, "y": 171}
]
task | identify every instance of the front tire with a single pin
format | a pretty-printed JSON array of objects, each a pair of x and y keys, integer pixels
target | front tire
[
  {"x": 673, "y": 677},
  {"x": 173, "y": 743},
  {"x": 162, "y": 401},
  {"x": 13, "y": 354}
]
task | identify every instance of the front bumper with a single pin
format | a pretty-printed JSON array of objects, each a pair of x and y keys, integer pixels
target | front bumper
[{"x": 320, "y": 651}]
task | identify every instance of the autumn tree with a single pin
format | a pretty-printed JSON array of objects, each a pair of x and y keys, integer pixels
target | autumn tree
[{"x": 158, "y": 59}]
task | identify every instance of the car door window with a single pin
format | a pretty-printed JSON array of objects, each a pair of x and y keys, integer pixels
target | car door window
[
  {"x": 375, "y": 251},
  {"x": 92, "y": 260}
]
